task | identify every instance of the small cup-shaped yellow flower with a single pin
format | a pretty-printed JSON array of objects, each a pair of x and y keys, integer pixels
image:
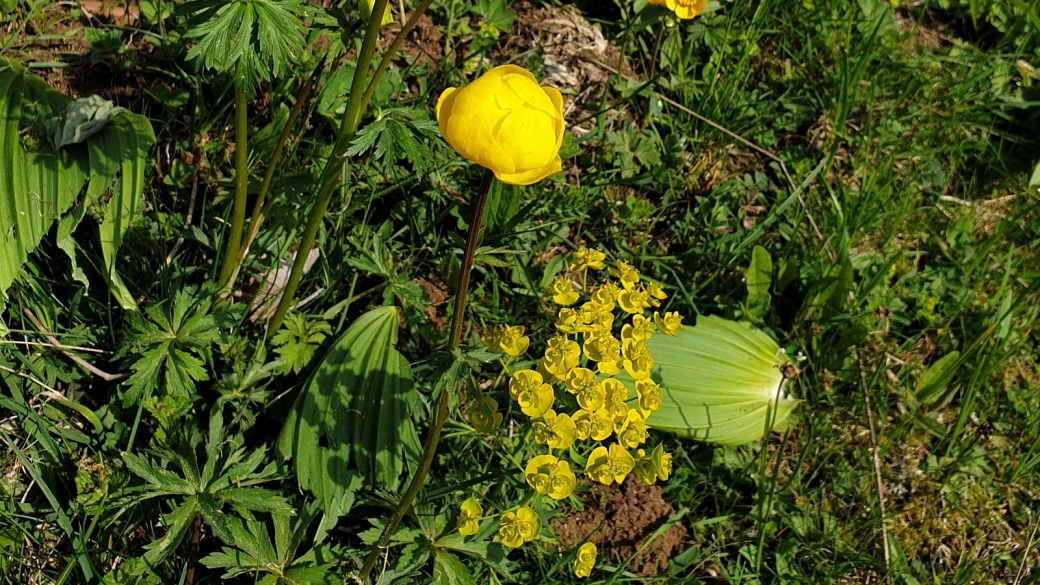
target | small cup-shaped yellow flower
[
  {"x": 644, "y": 469},
  {"x": 529, "y": 391},
  {"x": 641, "y": 329},
  {"x": 568, "y": 321},
  {"x": 649, "y": 393},
  {"x": 563, "y": 291},
  {"x": 655, "y": 294},
  {"x": 615, "y": 397},
  {"x": 514, "y": 342},
  {"x": 669, "y": 324},
  {"x": 582, "y": 383},
  {"x": 609, "y": 465},
  {"x": 504, "y": 121},
  {"x": 561, "y": 356},
  {"x": 662, "y": 462},
  {"x": 550, "y": 476},
  {"x": 633, "y": 430},
  {"x": 509, "y": 530},
  {"x": 585, "y": 258},
  {"x": 583, "y": 424},
  {"x": 638, "y": 361},
  {"x": 605, "y": 295},
  {"x": 601, "y": 425},
  {"x": 585, "y": 560},
  {"x": 487, "y": 418},
  {"x": 684, "y": 9},
  {"x": 633, "y": 300},
  {"x": 469, "y": 517},
  {"x": 555, "y": 430},
  {"x": 605, "y": 350},
  {"x": 624, "y": 272}
]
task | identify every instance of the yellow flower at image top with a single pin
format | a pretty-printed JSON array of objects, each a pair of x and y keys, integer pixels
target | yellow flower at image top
[
  {"x": 516, "y": 528},
  {"x": 485, "y": 419},
  {"x": 585, "y": 560},
  {"x": 504, "y": 121},
  {"x": 550, "y": 476},
  {"x": 684, "y": 9},
  {"x": 469, "y": 517}
]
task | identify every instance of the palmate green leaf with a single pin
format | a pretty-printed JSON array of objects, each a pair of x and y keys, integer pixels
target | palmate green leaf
[
  {"x": 177, "y": 523},
  {"x": 253, "y": 40},
  {"x": 162, "y": 482},
  {"x": 720, "y": 380},
  {"x": 449, "y": 570},
  {"x": 40, "y": 185},
  {"x": 353, "y": 415}
]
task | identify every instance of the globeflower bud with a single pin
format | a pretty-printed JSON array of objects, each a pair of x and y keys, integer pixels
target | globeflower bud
[{"x": 504, "y": 121}]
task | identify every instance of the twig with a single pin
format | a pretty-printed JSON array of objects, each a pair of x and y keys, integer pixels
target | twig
[
  {"x": 62, "y": 347},
  {"x": 877, "y": 466},
  {"x": 1025, "y": 555},
  {"x": 80, "y": 361},
  {"x": 31, "y": 379}
]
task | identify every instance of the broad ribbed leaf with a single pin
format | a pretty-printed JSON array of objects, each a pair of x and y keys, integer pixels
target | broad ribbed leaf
[
  {"x": 352, "y": 418},
  {"x": 40, "y": 185},
  {"x": 719, "y": 381}
]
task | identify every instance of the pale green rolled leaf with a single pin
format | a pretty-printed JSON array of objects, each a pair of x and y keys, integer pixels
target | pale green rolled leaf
[
  {"x": 931, "y": 386},
  {"x": 720, "y": 381}
]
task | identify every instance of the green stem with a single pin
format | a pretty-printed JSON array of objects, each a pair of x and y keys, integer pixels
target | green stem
[
  {"x": 392, "y": 50},
  {"x": 238, "y": 212},
  {"x": 334, "y": 167},
  {"x": 256, "y": 219},
  {"x": 457, "y": 318}
]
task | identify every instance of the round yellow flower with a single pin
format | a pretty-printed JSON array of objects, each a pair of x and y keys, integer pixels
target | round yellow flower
[
  {"x": 649, "y": 393},
  {"x": 624, "y": 272},
  {"x": 638, "y": 361},
  {"x": 568, "y": 321},
  {"x": 633, "y": 430},
  {"x": 506, "y": 122},
  {"x": 607, "y": 466},
  {"x": 550, "y": 476},
  {"x": 469, "y": 517},
  {"x": 615, "y": 399},
  {"x": 684, "y": 9},
  {"x": 633, "y": 300},
  {"x": 527, "y": 389},
  {"x": 585, "y": 560},
  {"x": 601, "y": 425},
  {"x": 514, "y": 342},
  {"x": 583, "y": 424},
  {"x": 605, "y": 296},
  {"x": 485, "y": 420},
  {"x": 516, "y": 528},
  {"x": 640, "y": 329}
]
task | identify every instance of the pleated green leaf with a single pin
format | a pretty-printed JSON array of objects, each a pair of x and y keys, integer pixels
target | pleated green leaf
[
  {"x": 40, "y": 185},
  {"x": 352, "y": 421},
  {"x": 720, "y": 380}
]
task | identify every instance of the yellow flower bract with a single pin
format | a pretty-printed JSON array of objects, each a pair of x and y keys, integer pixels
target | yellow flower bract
[
  {"x": 585, "y": 560},
  {"x": 469, "y": 517},
  {"x": 516, "y": 528}
]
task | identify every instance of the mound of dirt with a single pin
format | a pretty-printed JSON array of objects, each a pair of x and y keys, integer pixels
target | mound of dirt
[{"x": 619, "y": 519}]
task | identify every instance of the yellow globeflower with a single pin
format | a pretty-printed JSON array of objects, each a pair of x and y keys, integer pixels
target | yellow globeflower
[
  {"x": 585, "y": 258},
  {"x": 469, "y": 517},
  {"x": 585, "y": 560},
  {"x": 550, "y": 476},
  {"x": 563, "y": 291},
  {"x": 684, "y": 9},
  {"x": 534, "y": 396},
  {"x": 669, "y": 324},
  {"x": 504, "y": 121},
  {"x": 609, "y": 465},
  {"x": 561, "y": 356},
  {"x": 485, "y": 421}
]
